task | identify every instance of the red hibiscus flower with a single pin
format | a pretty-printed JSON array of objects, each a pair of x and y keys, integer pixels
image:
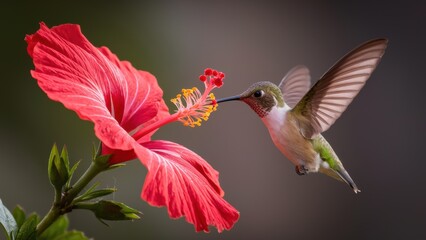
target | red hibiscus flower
[{"x": 126, "y": 107}]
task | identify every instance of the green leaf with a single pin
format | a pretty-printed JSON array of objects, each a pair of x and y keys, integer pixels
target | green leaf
[
  {"x": 72, "y": 235},
  {"x": 7, "y": 221},
  {"x": 58, "y": 228},
  {"x": 19, "y": 215},
  {"x": 28, "y": 229}
]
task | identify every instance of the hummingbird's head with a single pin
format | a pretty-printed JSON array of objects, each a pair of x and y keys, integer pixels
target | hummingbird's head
[{"x": 261, "y": 97}]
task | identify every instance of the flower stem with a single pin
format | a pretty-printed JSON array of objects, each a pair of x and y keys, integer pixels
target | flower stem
[
  {"x": 63, "y": 204},
  {"x": 50, "y": 217},
  {"x": 94, "y": 169}
]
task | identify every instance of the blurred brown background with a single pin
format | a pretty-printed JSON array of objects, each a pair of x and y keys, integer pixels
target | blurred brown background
[{"x": 379, "y": 138}]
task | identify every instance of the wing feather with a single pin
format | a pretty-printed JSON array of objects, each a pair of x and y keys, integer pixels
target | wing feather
[
  {"x": 325, "y": 102},
  {"x": 295, "y": 85}
]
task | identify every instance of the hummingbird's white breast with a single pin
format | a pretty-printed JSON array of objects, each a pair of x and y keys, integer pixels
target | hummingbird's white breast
[
  {"x": 286, "y": 136},
  {"x": 275, "y": 121}
]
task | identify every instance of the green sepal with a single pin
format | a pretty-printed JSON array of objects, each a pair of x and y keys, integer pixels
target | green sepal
[
  {"x": 65, "y": 159},
  {"x": 110, "y": 210},
  {"x": 51, "y": 168},
  {"x": 58, "y": 228},
  {"x": 95, "y": 194},
  {"x": 102, "y": 159},
  {"x": 96, "y": 150},
  {"x": 114, "y": 166},
  {"x": 19, "y": 215},
  {"x": 71, "y": 174},
  {"x": 58, "y": 168},
  {"x": 7, "y": 222},
  {"x": 91, "y": 193},
  {"x": 28, "y": 229}
]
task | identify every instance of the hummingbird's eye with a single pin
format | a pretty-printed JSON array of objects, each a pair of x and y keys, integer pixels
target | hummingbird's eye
[{"x": 258, "y": 93}]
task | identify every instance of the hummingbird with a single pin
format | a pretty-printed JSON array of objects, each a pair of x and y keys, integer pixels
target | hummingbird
[{"x": 296, "y": 115}]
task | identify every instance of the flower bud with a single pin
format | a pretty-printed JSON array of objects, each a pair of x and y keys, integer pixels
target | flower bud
[
  {"x": 111, "y": 210},
  {"x": 58, "y": 167}
]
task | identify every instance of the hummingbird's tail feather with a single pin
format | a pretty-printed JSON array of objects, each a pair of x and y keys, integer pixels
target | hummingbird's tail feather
[
  {"x": 331, "y": 165},
  {"x": 344, "y": 175},
  {"x": 340, "y": 174}
]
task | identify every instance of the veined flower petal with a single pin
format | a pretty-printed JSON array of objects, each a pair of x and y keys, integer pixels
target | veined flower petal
[
  {"x": 95, "y": 84},
  {"x": 186, "y": 184},
  {"x": 143, "y": 98}
]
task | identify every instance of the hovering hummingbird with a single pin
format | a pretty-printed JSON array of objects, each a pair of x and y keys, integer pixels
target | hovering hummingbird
[{"x": 296, "y": 115}]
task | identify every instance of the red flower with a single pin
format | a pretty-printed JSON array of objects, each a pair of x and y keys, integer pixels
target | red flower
[{"x": 126, "y": 107}]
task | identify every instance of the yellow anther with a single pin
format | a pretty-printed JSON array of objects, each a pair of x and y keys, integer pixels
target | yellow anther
[
  {"x": 187, "y": 92},
  {"x": 193, "y": 106}
]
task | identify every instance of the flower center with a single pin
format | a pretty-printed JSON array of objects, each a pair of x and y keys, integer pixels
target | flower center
[{"x": 194, "y": 106}]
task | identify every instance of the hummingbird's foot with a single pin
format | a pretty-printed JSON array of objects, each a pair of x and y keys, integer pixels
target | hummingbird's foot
[{"x": 301, "y": 170}]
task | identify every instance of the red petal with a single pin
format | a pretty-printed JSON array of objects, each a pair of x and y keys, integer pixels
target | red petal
[
  {"x": 186, "y": 184},
  {"x": 143, "y": 102},
  {"x": 95, "y": 84}
]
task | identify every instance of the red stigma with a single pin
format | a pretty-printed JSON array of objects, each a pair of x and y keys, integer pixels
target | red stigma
[
  {"x": 203, "y": 78},
  {"x": 212, "y": 77},
  {"x": 218, "y": 82},
  {"x": 208, "y": 71}
]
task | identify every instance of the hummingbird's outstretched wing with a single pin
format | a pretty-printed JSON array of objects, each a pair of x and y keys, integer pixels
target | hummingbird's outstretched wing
[
  {"x": 295, "y": 85},
  {"x": 331, "y": 95}
]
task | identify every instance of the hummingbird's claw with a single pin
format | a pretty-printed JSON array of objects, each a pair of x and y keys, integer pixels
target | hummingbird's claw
[{"x": 301, "y": 170}]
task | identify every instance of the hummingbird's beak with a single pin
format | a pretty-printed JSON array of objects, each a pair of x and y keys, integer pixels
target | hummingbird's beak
[{"x": 229, "y": 99}]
